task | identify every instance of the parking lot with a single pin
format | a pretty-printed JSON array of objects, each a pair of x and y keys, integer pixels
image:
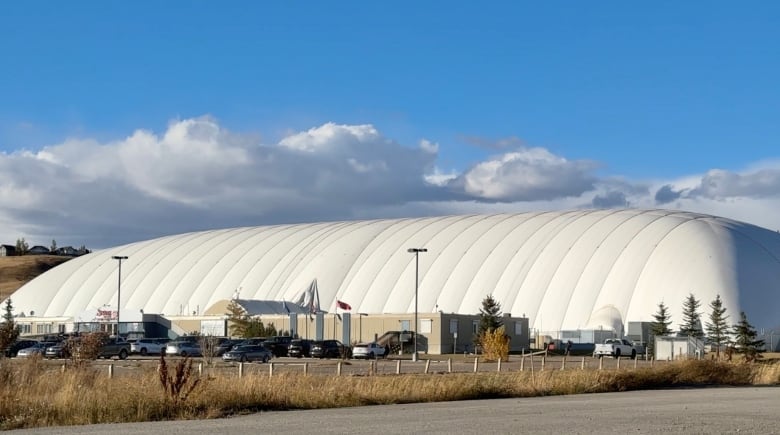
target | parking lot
[{"x": 397, "y": 364}]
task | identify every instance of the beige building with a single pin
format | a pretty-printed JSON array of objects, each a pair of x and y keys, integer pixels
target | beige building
[{"x": 439, "y": 333}]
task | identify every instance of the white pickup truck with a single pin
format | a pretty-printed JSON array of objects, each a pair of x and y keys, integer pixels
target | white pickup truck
[{"x": 615, "y": 347}]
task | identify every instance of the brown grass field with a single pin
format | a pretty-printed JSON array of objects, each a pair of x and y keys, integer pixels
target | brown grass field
[
  {"x": 31, "y": 396},
  {"x": 16, "y": 271}
]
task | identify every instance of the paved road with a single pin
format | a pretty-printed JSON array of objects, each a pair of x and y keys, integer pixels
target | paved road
[{"x": 689, "y": 411}]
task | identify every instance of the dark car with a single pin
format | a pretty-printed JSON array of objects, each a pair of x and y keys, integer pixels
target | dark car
[
  {"x": 249, "y": 352},
  {"x": 299, "y": 348},
  {"x": 18, "y": 345},
  {"x": 58, "y": 350},
  {"x": 328, "y": 349},
  {"x": 278, "y": 344}
]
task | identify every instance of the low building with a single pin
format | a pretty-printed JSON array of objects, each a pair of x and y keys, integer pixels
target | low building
[{"x": 7, "y": 250}]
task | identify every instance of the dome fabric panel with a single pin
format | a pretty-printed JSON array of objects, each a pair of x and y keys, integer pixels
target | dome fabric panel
[{"x": 564, "y": 270}]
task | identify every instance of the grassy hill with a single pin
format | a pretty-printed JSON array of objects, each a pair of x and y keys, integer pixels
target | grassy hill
[{"x": 16, "y": 271}]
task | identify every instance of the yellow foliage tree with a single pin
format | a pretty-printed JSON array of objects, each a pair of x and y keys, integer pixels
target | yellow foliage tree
[{"x": 495, "y": 344}]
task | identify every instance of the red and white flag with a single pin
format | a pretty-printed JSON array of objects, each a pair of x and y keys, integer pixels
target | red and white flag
[{"x": 343, "y": 305}]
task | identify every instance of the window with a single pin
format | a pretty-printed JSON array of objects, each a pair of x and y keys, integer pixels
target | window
[
  {"x": 61, "y": 328},
  {"x": 43, "y": 328},
  {"x": 518, "y": 328},
  {"x": 426, "y": 326},
  {"x": 405, "y": 325},
  {"x": 25, "y": 328},
  {"x": 475, "y": 326},
  {"x": 453, "y": 326}
]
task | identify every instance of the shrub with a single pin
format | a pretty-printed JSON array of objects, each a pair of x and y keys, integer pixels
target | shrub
[{"x": 495, "y": 344}]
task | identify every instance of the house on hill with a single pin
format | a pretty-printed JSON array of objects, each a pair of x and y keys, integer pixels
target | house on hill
[
  {"x": 7, "y": 250},
  {"x": 39, "y": 250}
]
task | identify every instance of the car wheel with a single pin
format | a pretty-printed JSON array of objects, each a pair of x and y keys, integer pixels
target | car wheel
[
  {"x": 183, "y": 354},
  {"x": 633, "y": 354},
  {"x": 371, "y": 356},
  {"x": 265, "y": 359},
  {"x": 122, "y": 354},
  {"x": 243, "y": 358},
  {"x": 144, "y": 352},
  {"x": 617, "y": 353}
]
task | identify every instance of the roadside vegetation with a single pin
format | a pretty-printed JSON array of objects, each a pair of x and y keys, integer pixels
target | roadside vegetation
[{"x": 32, "y": 396}]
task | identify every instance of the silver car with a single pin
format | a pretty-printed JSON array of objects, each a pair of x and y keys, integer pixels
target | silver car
[
  {"x": 250, "y": 352},
  {"x": 36, "y": 349},
  {"x": 183, "y": 348}
]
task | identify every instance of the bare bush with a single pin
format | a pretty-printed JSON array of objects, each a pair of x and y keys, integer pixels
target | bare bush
[{"x": 179, "y": 384}]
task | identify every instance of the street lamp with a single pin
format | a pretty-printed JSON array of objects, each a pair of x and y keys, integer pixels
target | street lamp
[
  {"x": 119, "y": 258},
  {"x": 416, "y": 252}
]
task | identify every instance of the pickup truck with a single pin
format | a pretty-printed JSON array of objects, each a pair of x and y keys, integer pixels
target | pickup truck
[
  {"x": 615, "y": 347},
  {"x": 114, "y": 347}
]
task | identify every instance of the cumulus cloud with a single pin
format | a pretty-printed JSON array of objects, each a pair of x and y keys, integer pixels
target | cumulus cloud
[
  {"x": 197, "y": 175},
  {"x": 527, "y": 174}
]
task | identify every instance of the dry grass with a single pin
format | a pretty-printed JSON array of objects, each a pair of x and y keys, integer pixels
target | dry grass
[
  {"x": 16, "y": 271},
  {"x": 32, "y": 397}
]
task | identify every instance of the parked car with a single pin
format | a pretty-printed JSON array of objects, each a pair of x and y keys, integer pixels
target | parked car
[
  {"x": 36, "y": 349},
  {"x": 278, "y": 344},
  {"x": 18, "y": 345},
  {"x": 146, "y": 346},
  {"x": 299, "y": 348},
  {"x": 114, "y": 347},
  {"x": 57, "y": 350},
  {"x": 250, "y": 352},
  {"x": 183, "y": 348},
  {"x": 328, "y": 349},
  {"x": 615, "y": 347},
  {"x": 368, "y": 351},
  {"x": 225, "y": 345}
]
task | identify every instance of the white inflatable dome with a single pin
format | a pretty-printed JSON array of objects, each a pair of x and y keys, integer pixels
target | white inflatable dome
[{"x": 564, "y": 270}]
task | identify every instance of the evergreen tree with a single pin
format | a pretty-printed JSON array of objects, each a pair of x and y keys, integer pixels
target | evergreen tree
[
  {"x": 238, "y": 320},
  {"x": 489, "y": 318},
  {"x": 659, "y": 326},
  {"x": 53, "y": 247},
  {"x": 489, "y": 315},
  {"x": 691, "y": 325},
  {"x": 717, "y": 327},
  {"x": 9, "y": 332},
  {"x": 745, "y": 339}
]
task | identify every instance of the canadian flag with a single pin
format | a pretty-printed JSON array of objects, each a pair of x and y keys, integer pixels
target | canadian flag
[{"x": 343, "y": 305}]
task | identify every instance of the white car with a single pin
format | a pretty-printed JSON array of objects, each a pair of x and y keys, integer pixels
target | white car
[
  {"x": 368, "y": 351},
  {"x": 146, "y": 346}
]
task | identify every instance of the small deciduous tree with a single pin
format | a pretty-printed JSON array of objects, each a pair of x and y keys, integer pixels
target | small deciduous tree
[
  {"x": 691, "y": 325},
  {"x": 9, "y": 331},
  {"x": 495, "y": 344},
  {"x": 717, "y": 327},
  {"x": 21, "y": 246},
  {"x": 745, "y": 340},
  {"x": 659, "y": 326}
]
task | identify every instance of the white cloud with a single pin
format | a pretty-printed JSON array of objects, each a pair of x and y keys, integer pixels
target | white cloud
[
  {"x": 528, "y": 174},
  {"x": 197, "y": 175}
]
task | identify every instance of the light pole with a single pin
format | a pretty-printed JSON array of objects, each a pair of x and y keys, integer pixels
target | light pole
[
  {"x": 416, "y": 252},
  {"x": 119, "y": 258}
]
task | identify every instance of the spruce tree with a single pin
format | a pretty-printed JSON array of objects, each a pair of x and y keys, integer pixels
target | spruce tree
[
  {"x": 9, "y": 332},
  {"x": 717, "y": 327},
  {"x": 489, "y": 315},
  {"x": 237, "y": 319},
  {"x": 691, "y": 325},
  {"x": 489, "y": 318},
  {"x": 745, "y": 339},
  {"x": 659, "y": 326}
]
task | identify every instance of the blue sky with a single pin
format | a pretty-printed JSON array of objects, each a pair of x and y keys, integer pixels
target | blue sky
[{"x": 605, "y": 104}]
